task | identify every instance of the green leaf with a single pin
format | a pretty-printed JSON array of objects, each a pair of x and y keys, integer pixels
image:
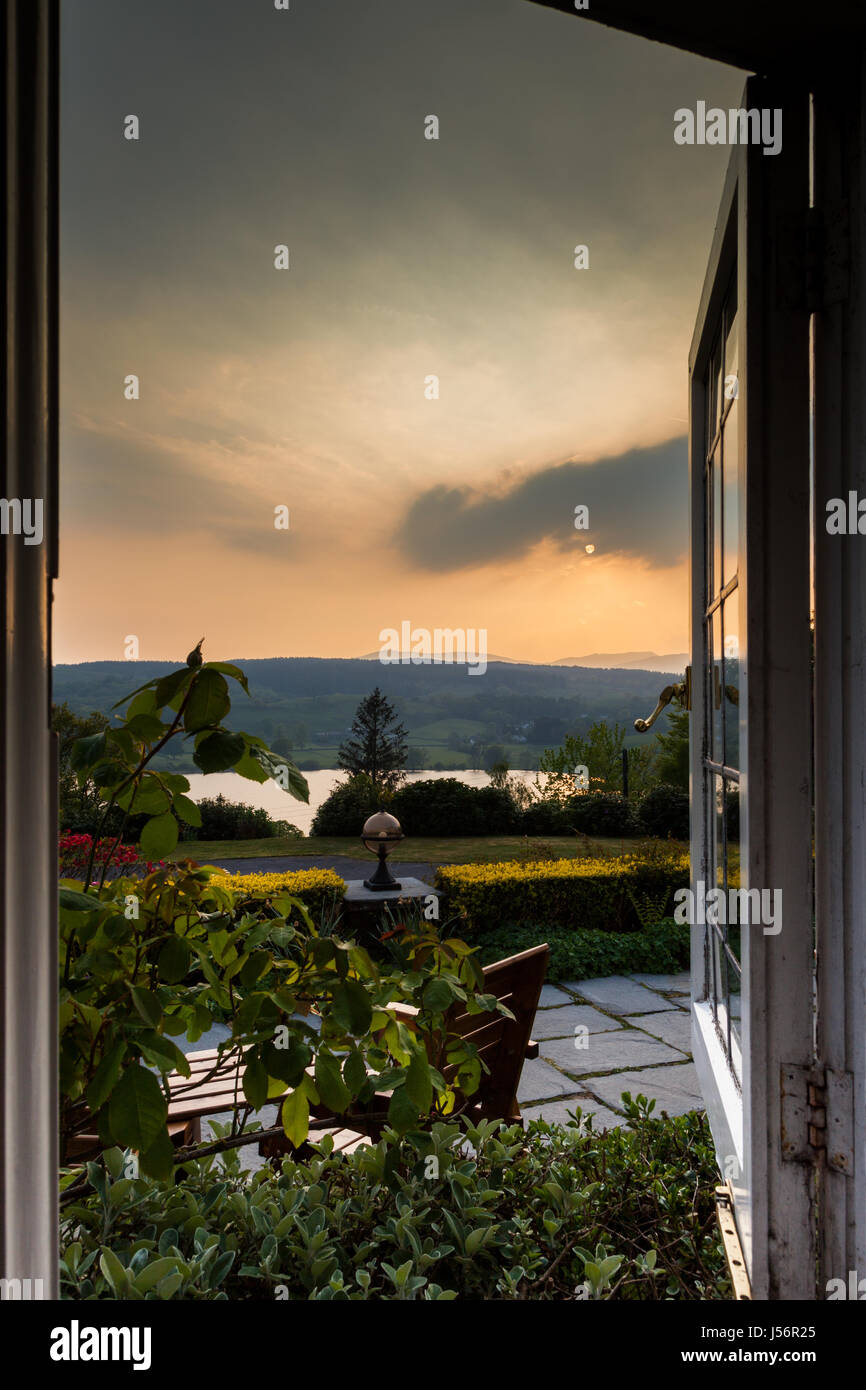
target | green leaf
[
  {"x": 147, "y": 1005},
  {"x": 330, "y": 1084},
  {"x": 256, "y": 1083},
  {"x": 288, "y": 1063},
  {"x": 73, "y": 901},
  {"x": 174, "y": 958},
  {"x": 402, "y": 1112},
  {"x": 137, "y": 1112},
  {"x": 354, "y": 1072},
  {"x": 229, "y": 670},
  {"x": 159, "y": 836},
  {"x": 157, "y": 1161},
  {"x": 87, "y": 752},
  {"x": 418, "y": 1085},
  {"x": 282, "y": 771},
  {"x": 219, "y": 751},
  {"x": 106, "y": 1076},
  {"x": 146, "y": 799},
  {"x": 152, "y": 1273},
  {"x": 296, "y": 1117},
  {"x": 254, "y": 967},
  {"x": 169, "y": 686},
  {"x": 351, "y": 1007},
  {"x": 114, "y": 1272},
  {"x": 148, "y": 685},
  {"x": 209, "y": 701},
  {"x": 437, "y": 996},
  {"x": 145, "y": 726},
  {"x": 187, "y": 811},
  {"x": 161, "y": 1052}
]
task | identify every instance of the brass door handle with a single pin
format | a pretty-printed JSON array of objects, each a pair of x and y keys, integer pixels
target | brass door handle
[{"x": 682, "y": 692}]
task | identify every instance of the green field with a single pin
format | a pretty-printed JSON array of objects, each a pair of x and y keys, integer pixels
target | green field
[{"x": 442, "y": 850}]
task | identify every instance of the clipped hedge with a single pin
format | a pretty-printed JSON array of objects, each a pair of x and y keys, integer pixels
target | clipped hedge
[
  {"x": 611, "y": 895},
  {"x": 662, "y": 948},
  {"x": 447, "y": 806},
  {"x": 558, "y": 1213},
  {"x": 318, "y": 889}
]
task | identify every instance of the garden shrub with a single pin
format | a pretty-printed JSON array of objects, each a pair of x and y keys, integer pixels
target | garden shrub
[
  {"x": 318, "y": 889},
  {"x": 447, "y": 806},
  {"x": 585, "y": 955},
  {"x": 600, "y": 813},
  {"x": 546, "y": 817},
  {"x": 556, "y": 1213},
  {"x": 222, "y": 819},
  {"x": 579, "y": 894},
  {"x": 664, "y": 812},
  {"x": 347, "y": 807}
]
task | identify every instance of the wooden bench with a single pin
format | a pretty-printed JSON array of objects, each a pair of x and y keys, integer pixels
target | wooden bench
[{"x": 215, "y": 1085}]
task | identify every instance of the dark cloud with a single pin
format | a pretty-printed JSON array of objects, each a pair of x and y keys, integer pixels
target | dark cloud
[{"x": 637, "y": 507}]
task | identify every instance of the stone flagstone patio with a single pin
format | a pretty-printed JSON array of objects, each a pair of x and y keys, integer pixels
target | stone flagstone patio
[{"x": 598, "y": 1038}]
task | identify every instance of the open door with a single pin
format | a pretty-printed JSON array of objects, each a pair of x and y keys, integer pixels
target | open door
[{"x": 751, "y": 801}]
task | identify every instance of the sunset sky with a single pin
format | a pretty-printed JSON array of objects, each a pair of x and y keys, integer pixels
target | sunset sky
[{"x": 409, "y": 257}]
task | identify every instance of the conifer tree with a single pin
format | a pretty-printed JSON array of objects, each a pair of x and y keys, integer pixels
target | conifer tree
[{"x": 377, "y": 745}]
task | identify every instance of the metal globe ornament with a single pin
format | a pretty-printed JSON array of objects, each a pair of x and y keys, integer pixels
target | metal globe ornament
[{"x": 381, "y": 832}]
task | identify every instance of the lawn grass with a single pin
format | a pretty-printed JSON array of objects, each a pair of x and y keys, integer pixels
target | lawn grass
[{"x": 470, "y": 849}]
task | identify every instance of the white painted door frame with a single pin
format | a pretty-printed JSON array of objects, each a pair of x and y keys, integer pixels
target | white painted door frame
[{"x": 764, "y": 211}]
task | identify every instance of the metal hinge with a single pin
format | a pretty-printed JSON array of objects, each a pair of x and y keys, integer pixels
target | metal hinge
[
  {"x": 818, "y": 1117},
  {"x": 813, "y": 261}
]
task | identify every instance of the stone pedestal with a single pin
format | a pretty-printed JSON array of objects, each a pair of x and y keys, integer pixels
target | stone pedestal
[{"x": 363, "y": 908}]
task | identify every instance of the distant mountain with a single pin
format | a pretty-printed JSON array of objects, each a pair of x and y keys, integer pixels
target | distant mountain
[
  {"x": 406, "y": 660},
  {"x": 672, "y": 662},
  {"x": 306, "y": 704}
]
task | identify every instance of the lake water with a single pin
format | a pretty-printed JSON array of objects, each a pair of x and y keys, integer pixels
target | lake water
[{"x": 281, "y": 806}]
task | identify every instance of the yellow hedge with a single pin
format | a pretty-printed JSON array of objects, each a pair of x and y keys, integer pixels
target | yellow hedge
[
  {"x": 616, "y": 894},
  {"x": 317, "y": 889}
]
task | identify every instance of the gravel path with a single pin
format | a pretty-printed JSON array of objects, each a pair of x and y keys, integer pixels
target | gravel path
[{"x": 346, "y": 868}]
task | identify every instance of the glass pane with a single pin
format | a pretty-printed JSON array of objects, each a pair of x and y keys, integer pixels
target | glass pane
[
  {"x": 716, "y": 583},
  {"x": 731, "y": 518},
  {"x": 713, "y": 373},
  {"x": 719, "y": 837},
  {"x": 730, "y": 384},
  {"x": 734, "y": 995},
  {"x": 714, "y": 635},
  {"x": 731, "y": 678},
  {"x": 708, "y": 507}
]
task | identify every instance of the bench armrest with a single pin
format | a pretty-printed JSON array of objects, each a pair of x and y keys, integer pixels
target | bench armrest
[{"x": 531, "y": 1049}]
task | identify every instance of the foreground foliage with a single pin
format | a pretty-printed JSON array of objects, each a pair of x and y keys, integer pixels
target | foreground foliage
[
  {"x": 658, "y": 948},
  {"x": 485, "y": 1212},
  {"x": 145, "y": 960}
]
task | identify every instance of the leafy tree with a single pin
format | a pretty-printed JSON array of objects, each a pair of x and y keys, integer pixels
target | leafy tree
[
  {"x": 498, "y": 771},
  {"x": 492, "y": 757},
  {"x": 79, "y": 801},
  {"x": 377, "y": 746},
  {"x": 673, "y": 763},
  {"x": 600, "y": 751}
]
